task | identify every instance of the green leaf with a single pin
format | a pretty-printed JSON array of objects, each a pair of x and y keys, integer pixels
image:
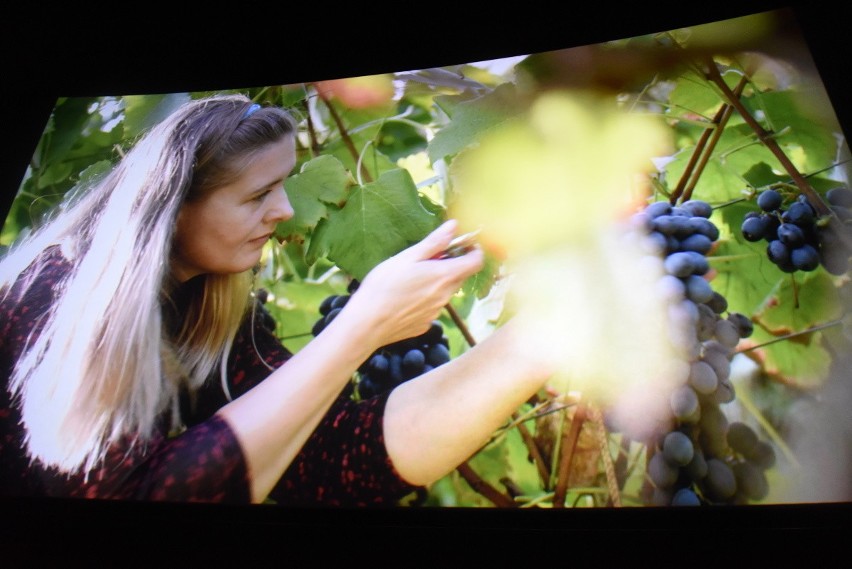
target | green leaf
[
  {"x": 398, "y": 140},
  {"x": 95, "y": 171},
  {"x": 506, "y": 458},
  {"x": 693, "y": 97},
  {"x": 811, "y": 301},
  {"x": 379, "y": 220},
  {"x": 321, "y": 182},
  {"x": 800, "y": 362},
  {"x": 805, "y": 140},
  {"x": 53, "y": 174},
  {"x": 68, "y": 121},
  {"x": 473, "y": 118},
  {"x": 144, "y": 111}
]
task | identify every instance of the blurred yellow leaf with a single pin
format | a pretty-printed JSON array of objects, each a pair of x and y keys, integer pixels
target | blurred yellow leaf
[
  {"x": 556, "y": 175},
  {"x": 554, "y": 191}
]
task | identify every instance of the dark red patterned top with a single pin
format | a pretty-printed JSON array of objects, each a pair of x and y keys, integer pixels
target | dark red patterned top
[{"x": 344, "y": 463}]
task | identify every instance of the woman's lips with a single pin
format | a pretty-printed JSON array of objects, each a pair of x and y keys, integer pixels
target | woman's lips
[{"x": 260, "y": 240}]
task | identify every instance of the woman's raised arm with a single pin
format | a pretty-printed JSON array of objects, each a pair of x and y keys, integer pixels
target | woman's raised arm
[
  {"x": 398, "y": 299},
  {"x": 436, "y": 421}
]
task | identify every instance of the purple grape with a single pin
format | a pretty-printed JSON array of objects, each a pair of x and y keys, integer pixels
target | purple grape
[
  {"x": 805, "y": 258},
  {"x": 840, "y": 196},
  {"x": 754, "y": 228},
  {"x": 678, "y": 449},
  {"x": 657, "y": 209},
  {"x": 685, "y": 497},
  {"x": 662, "y": 473},
  {"x": 698, "y": 208},
  {"x": 720, "y": 481},
  {"x": 800, "y": 213},
  {"x": 791, "y": 235},
  {"x": 769, "y": 200}
]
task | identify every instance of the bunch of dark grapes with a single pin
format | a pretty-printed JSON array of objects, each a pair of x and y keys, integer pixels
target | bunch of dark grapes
[
  {"x": 797, "y": 237},
  {"x": 393, "y": 364},
  {"x": 698, "y": 457}
]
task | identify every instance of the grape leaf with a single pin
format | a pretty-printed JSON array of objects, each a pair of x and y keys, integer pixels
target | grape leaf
[
  {"x": 692, "y": 97},
  {"x": 321, "y": 182},
  {"x": 813, "y": 301},
  {"x": 492, "y": 464},
  {"x": 378, "y": 220},
  {"x": 144, "y": 111},
  {"x": 802, "y": 133},
  {"x": 53, "y": 174},
  {"x": 802, "y": 363},
  {"x": 63, "y": 130},
  {"x": 472, "y": 118}
]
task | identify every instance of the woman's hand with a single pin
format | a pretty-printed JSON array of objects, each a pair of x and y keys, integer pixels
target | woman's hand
[
  {"x": 401, "y": 296},
  {"x": 397, "y": 300}
]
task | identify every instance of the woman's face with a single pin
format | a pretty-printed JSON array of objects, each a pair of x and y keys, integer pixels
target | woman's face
[{"x": 225, "y": 230}]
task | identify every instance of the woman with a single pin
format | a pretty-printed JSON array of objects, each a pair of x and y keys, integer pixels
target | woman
[{"x": 135, "y": 367}]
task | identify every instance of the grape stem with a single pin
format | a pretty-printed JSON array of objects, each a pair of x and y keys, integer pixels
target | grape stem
[
  {"x": 569, "y": 446},
  {"x": 791, "y": 335},
  {"x": 460, "y": 324},
  {"x": 535, "y": 453}
]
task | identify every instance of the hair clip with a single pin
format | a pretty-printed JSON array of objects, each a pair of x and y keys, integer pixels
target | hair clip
[{"x": 251, "y": 110}]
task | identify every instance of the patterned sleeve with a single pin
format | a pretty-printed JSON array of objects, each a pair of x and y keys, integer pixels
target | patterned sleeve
[
  {"x": 345, "y": 461},
  {"x": 203, "y": 464}
]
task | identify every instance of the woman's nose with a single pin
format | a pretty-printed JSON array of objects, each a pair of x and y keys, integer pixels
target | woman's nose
[{"x": 280, "y": 208}]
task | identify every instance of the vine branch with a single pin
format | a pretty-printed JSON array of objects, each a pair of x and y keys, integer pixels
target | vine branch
[
  {"x": 569, "y": 446},
  {"x": 461, "y": 325},
  {"x": 768, "y": 139},
  {"x": 344, "y": 133},
  {"x": 704, "y": 149},
  {"x": 312, "y": 131},
  {"x": 603, "y": 444},
  {"x": 484, "y": 488}
]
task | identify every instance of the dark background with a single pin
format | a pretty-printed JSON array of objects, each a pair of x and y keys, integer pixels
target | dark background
[{"x": 52, "y": 51}]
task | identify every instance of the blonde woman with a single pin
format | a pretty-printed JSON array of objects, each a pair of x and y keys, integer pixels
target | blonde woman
[{"x": 134, "y": 369}]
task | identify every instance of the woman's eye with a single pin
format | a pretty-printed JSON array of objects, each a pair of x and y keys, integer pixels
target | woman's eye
[{"x": 260, "y": 196}]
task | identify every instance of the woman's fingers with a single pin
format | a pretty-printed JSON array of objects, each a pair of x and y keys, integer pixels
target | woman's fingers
[
  {"x": 465, "y": 265},
  {"x": 433, "y": 244},
  {"x": 405, "y": 293}
]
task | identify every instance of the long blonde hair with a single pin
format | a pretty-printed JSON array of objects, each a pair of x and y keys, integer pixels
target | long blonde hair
[{"x": 105, "y": 365}]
